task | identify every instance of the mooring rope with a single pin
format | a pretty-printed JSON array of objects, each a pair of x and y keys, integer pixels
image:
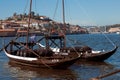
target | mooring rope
[
  {"x": 109, "y": 39},
  {"x": 56, "y": 9},
  {"x": 25, "y": 7}
]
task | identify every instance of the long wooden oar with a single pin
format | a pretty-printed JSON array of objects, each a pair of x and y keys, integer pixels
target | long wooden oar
[
  {"x": 106, "y": 75},
  {"x": 29, "y": 49}
]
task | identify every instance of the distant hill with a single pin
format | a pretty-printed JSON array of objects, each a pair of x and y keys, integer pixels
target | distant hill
[
  {"x": 25, "y": 16},
  {"x": 46, "y": 23}
]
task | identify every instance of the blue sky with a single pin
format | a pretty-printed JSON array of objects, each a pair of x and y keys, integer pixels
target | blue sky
[{"x": 80, "y": 12}]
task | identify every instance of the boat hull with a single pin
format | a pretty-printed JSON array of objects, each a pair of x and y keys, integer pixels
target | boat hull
[
  {"x": 42, "y": 62},
  {"x": 62, "y": 65},
  {"x": 98, "y": 56},
  {"x": 87, "y": 54}
]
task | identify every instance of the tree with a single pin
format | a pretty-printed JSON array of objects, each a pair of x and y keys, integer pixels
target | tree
[
  {"x": 32, "y": 14},
  {"x": 15, "y": 14},
  {"x": 25, "y": 15}
]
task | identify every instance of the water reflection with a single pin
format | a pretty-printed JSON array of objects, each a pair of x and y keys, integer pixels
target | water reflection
[
  {"x": 26, "y": 72},
  {"x": 91, "y": 69},
  {"x": 93, "y": 63}
]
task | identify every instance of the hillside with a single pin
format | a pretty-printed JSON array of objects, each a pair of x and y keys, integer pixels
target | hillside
[{"x": 44, "y": 23}]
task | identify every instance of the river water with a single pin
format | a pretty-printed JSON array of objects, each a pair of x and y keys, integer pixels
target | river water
[{"x": 78, "y": 71}]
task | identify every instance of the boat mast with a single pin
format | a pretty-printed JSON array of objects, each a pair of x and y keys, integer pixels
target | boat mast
[
  {"x": 63, "y": 11},
  {"x": 64, "y": 25},
  {"x": 27, "y": 37}
]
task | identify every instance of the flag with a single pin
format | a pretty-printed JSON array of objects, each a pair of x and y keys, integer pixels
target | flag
[{"x": 32, "y": 38}]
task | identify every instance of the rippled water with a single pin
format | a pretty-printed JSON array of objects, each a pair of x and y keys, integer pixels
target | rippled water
[{"x": 78, "y": 71}]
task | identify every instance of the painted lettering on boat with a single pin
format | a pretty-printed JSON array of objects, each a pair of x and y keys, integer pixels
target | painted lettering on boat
[{"x": 55, "y": 60}]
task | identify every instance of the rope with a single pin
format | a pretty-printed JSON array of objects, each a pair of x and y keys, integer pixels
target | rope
[
  {"x": 56, "y": 9},
  {"x": 109, "y": 39},
  {"x": 35, "y": 7},
  {"x": 82, "y": 8},
  {"x": 25, "y": 7}
]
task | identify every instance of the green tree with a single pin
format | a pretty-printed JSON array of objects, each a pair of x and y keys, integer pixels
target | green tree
[
  {"x": 32, "y": 14},
  {"x": 15, "y": 14}
]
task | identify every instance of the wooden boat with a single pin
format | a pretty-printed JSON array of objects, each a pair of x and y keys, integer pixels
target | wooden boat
[
  {"x": 38, "y": 57},
  {"x": 87, "y": 54},
  {"x": 100, "y": 56},
  {"x": 31, "y": 54}
]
